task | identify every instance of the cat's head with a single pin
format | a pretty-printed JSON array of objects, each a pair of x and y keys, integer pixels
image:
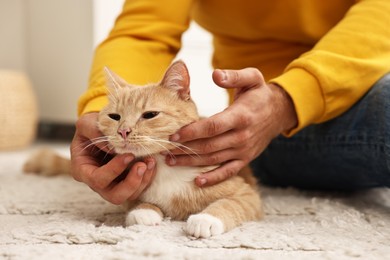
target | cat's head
[{"x": 140, "y": 119}]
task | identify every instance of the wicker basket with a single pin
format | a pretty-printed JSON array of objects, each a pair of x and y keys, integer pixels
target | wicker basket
[{"x": 18, "y": 110}]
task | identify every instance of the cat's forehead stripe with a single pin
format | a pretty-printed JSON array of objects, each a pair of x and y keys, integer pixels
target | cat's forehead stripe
[{"x": 138, "y": 97}]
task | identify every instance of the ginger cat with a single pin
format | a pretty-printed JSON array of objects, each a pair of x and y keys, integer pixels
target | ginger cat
[{"x": 139, "y": 120}]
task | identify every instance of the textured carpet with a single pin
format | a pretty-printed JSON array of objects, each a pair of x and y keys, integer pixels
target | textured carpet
[{"x": 58, "y": 218}]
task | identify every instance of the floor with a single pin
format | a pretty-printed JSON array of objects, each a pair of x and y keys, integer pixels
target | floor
[{"x": 59, "y": 218}]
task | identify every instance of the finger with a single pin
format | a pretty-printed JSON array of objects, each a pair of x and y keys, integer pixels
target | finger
[
  {"x": 86, "y": 124},
  {"x": 205, "y": 128},
  {"x": 220, "y": 174},
  {"x": 122, "y": 191},
  {"x": 204, "y": 159},
  {"x": 231, "y": 139},
  {"x": 87, "y": 127},
  {"x": 79, "y": 157},
  {"x": 248, "y": 77},
  {"x": 99, "y": 178},
  {"x": 78, "y": 149},
  {"x": 147, "y": 178}
]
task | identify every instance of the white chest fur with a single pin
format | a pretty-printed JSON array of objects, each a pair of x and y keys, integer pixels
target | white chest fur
[{"x": 169, "y": 182}]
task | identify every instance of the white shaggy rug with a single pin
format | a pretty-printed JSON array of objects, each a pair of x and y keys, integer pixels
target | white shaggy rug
[{"x": 58, "y": 218}]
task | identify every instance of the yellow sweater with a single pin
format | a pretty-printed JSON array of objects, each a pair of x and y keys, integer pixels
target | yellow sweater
[{"x": 325, "y": 54}]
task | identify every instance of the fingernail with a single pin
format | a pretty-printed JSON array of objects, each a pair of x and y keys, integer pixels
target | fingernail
[
  {"x": 224, "y": 76},
  {"x": 172, "y": 161},
  {"x": 141, "y": 170},
  {"x": 128, "y": 159},
  {"x": 150, "y": 165},
  {"x": 202, "y": 181},
  {"x": 175, "y": 137}
]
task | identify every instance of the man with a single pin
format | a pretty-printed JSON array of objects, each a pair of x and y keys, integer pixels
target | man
[{"x": 324, "y": 86}]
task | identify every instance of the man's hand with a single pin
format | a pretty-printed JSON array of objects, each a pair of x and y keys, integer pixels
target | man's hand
[
  {"x": 102, "y": 171},
  {"x": 234, "y": 137}
]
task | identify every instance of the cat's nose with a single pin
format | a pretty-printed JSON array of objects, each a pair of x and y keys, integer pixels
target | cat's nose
[{"x": 124, "y": 132}]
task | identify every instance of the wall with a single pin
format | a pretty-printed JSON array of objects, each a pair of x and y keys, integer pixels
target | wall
[
  {"x": 12, "y": 35},
  {"x": 53, "y": 41},
  {"x": 59, "y": 52}
]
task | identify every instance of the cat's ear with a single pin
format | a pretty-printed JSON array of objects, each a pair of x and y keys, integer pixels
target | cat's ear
[
  {"x": 177, "y": 78},
  {"x": 113, "y": 80}
]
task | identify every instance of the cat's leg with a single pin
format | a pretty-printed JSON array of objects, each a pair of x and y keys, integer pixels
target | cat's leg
[
  {"x": 225, "y": 214},
  {"x": 47, "y": 162},
  {"x": 144, "y": 214},
  {"x": 204, "y": 225}
]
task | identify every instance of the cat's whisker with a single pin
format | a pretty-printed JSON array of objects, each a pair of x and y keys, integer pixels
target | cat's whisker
[
  {"x": 164, "y": 147},
  {"x": 110, "y": 92},
  {"x": 100, "y": 137},
  {"x": 179, "y": 146},
  {"x": 108, "y": 152},
  {"x": 115, "y": 85},
  {"x": 82, "y": 145},
  {"x": 147, "y": 139},
  {"x": 191, "y": 152},
  {"x": 148, "y": 153},
  {"x": 106, "y": 137},
  {"x": 94, "y": 143},
  {"x": 144, "y": 148}
]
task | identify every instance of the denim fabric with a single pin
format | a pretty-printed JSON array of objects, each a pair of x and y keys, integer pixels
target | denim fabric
[{"x": 348, "y": 153}]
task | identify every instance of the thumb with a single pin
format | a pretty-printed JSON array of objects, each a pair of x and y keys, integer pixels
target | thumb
[{"x": 244, "y": 78}]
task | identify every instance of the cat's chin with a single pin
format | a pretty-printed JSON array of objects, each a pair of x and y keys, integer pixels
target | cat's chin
[
  {"x": 127, "y": 150},
  {"x": 119, "y": 150}
]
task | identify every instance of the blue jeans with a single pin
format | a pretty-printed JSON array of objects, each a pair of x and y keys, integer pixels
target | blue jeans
[{"x": 348, "y": 153}]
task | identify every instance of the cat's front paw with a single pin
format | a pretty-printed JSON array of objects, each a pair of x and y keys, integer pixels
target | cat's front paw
[
  {"x": 148, "y": 217},
  {"x": 204, "y": 226}
]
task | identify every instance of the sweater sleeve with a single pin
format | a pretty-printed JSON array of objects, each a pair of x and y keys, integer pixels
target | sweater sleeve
[
  {"x": 342, "y": 66},
  {"x": 144, "y": 41}
]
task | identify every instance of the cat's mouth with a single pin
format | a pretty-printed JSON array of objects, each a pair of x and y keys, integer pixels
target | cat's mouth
[
  {"x": 137, "y": 151},
  {"x": 141, "y": 148}
]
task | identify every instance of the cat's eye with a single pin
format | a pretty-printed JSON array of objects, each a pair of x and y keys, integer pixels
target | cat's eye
[
  {"x": 115, "y": 117},
  {"x": 150, "y": 114}
]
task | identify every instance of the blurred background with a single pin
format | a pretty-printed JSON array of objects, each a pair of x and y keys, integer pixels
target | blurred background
[{"x": 51, "y": 42}]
